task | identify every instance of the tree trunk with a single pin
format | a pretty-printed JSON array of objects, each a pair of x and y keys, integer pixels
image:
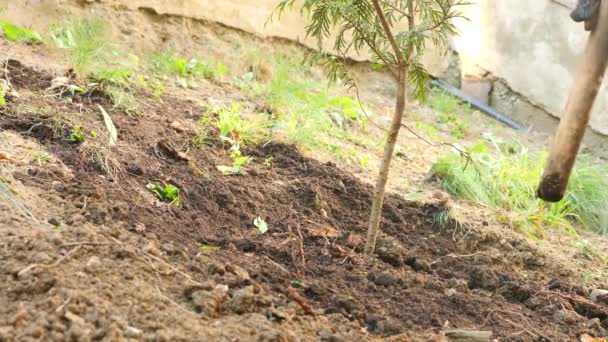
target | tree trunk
[
  {"x": 587, "y": 82},
  {"x": 393, "y": 133}
]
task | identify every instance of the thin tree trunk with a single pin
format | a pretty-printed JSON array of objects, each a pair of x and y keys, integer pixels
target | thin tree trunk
[
  {"x": 393, "y": 133},
  {"x": 587, "y": 82}
]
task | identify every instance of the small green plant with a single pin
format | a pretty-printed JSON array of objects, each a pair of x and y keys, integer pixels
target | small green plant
[
  {"x": 167, "y": 63},
  {"x": 237, "y": 131},
  {"x": 165, "y": 192},
  {"x": 86, "y": 42},
  {"x": 76, "y": 135},
  {"x": 15, "y": 33},
  {"x": 41, "y": 158},
  {"x": 364, "y": 161},
  {"x": 449, "y": 107},
  {"x": 588, "y": 250},
  {"x": 2, "y": 94},
  {"x": 261, "y": 225},
  {"x": 238, "y": 162},
  {"x": 268, "y": 162},
  {"x": 208, "y": 249}
]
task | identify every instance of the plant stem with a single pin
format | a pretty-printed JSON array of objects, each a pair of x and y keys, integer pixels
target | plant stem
[{"x": 393, "y": 133}]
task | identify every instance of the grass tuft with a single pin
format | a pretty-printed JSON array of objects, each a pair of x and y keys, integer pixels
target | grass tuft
[
  {"x": 15, "y": 33},
  {"x": 508, "y": 181}
]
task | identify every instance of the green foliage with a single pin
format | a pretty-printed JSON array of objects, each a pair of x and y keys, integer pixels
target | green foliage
[
  {"x": 305, "y": 113},
  {"x": 41, "y": 158},
  {"x": 508, "y": 181},
  {"x": 354, "y": 25},
  {"x": 76, "y": 135},
  {"x": 449, "y": 107},
  {"x": 165, "y": 192},
  {"x": 238, "y": 161},
  {"x": 2, "y": 94},
  {"x": 236, "y": 130},
  {"x": 15, "y": 33},
  {"x": 86, "y": 42},
  {"x": 185, "y": 70},
  {"x": 261, "y": 225}
]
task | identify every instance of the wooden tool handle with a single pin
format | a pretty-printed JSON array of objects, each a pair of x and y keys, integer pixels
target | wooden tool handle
[{"x": 574, "y": 119}]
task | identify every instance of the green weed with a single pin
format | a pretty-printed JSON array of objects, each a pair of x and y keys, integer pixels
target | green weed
[
  {"x": 238, "y": 161},
  {"x": 165, "y": 192},
  {"x": 76, "y": 135},
  {"x": 304, "y": 111},
  {"x": 41, "y": 158},
  {"x": 236, "y": 130},
  {"x": 449, "y": 107},
  {"x": 2, "y": 94},
  {"x": 86, "y": 43},
  {"x": 508, "y": 181},
  {"x": 15, "y": 33},
  {"x": 163, "y": 64},
  {"x": 261, "y": 225}
]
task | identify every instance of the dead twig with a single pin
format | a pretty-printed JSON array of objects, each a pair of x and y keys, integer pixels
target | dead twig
[
  {"x": 457, "y": 256},
  {"x": 298, "y": 251},
  {"x": 155, "y": 258},
  {"x": 304, "y": 304},
  {"x": 277, "y": 265},
  {"x": 47, "y": 266}
]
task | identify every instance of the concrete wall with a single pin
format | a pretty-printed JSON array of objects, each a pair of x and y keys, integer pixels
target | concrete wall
[{"x": 531, "y": 44}]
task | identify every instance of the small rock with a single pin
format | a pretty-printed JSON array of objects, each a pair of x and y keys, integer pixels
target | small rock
[
  {"x": 514, "y": 292},
  {"x": 533, "y": 303},
  {"x": 458, "y": 284},
  {"x": 247, "y": 300},
  {"x": 41, "y": 245},
  {"x": 533, "y": 261},
  {"x": 169, "y": 248},
  {"x": 93, "y": 265},
  {"x": 72, "y": 317},
  {"x": 238, "y": 271},
  {"x": 77, "y": 219},
  {"x": 417, "y": 265},
  {"x": 41, "y": 258},
  {"x": 596, "y": 294},
  {"x": 451, "y": 292},
  {"x": 595, "y": 325},
  {"x": 390, "y": 327},
  {"x": 564, "y": 316},
  {"x": 132, "y": 332},
  {"x": 178, "y": 127},
  {"x": 385, "y": 279},
  {"x": 326, "y": 335},
  {"x": 389, "y": 250},
  {"x": 139, "y": 227},
  {"x": 243, "y": 301},
  {"x": 355, "y": 241},
  {"x": 245, "y": 245},
  {"x": 135, "y": 170},
  {"x": 54, "y": 222},
  {"x": 215, "y": 267},
  {"x": 483, "y": 278},
  {"x": 6, "y": 333}
]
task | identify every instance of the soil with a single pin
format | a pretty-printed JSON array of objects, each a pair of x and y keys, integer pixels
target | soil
[
  {"x": 87, "y": 252},
  {"x": 95, "y": 256}
]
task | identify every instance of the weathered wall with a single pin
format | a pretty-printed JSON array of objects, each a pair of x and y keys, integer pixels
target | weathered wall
[{"x": 532, "y": 45}]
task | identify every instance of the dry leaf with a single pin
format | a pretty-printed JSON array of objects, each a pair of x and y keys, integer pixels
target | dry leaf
[
  {"x": 110, "y": 126},
  {"x": 589, "y": 338},
  {"x": 321, "y": 230},
  {"x": 6, "y": 156}
]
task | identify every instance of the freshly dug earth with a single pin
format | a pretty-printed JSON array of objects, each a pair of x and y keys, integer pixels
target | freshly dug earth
[{"x": 115, "y": 263}]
